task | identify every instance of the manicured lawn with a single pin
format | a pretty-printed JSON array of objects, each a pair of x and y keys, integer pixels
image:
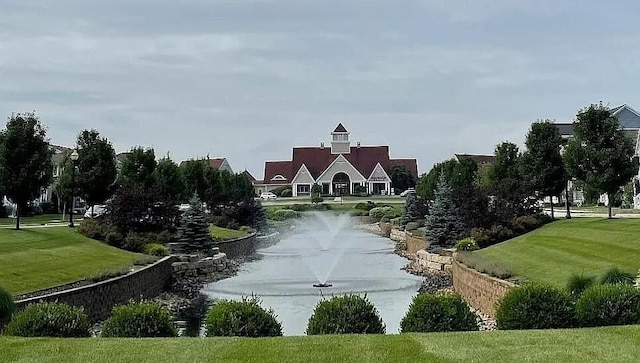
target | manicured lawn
[
  {"x": 36, "y": 220},
  {"x": 615, "y": 344},
  {"x": 581, "y": 245},
  {"x": 224, "y": 234},
  {"x": 37, "y": 258}
]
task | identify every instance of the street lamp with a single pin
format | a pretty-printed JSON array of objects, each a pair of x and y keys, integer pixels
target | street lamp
[{"x": 74, "y": 159}]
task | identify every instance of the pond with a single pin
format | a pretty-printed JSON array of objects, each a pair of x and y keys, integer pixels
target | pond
[{"x": 326, "y": 248}]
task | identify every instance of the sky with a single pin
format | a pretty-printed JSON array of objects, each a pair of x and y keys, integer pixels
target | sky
[{"x": 250, "y": 79}]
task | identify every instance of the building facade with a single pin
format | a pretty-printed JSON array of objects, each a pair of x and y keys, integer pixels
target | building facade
[{"x": 339, "y": 168}]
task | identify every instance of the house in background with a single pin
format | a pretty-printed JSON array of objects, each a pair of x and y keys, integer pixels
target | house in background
[
  {"x": 480, "y": 160},
  {"x": 629, "y": 120},
  {"x": 216, "y": 163},
  {"x": 57, "y": 163},
  {"x": 340, "y": 169}
]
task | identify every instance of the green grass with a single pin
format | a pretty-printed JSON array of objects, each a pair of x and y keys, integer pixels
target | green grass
[
  {"x": 579, "y": 246},
  {"x": 225, "y": 234},
  {"x": 36, "y": 220},
  {"x": 613, "y": 344},
  {"x": 37, "y": 258}
]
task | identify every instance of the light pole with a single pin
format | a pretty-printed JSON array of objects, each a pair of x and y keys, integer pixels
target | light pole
[{"x": 74, "y": 159}]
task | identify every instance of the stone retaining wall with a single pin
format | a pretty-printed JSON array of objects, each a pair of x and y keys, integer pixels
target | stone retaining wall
[
  {"x": 481, "y": 291},
  {"x": 237, "y": 248},
  {"x": 397, "y": 235},
  {"x": 434, "y": 261},
  {"x": 98, "y": 299},
  {"x": 415, "y": 243}
]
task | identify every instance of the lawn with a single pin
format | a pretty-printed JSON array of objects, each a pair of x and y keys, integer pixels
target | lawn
[
  {"x": 36, "y": 258},
  {"x": 581, "y": 245},
  {"x": 224, "y": 234},
  {"x": 36, "y": 220},
  {"x": 613, "y": 344}
]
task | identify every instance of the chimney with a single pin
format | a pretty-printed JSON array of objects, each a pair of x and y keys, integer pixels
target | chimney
[
  {"x": 358, "y": 144},
  {"x": 322, "y": 145}
]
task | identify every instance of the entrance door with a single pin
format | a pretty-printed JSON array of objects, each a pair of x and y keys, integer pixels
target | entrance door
[{"x": 341, "y": 184}]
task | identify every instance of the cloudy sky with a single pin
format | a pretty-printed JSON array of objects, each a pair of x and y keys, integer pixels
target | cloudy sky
[{"x": 249, "y": 79}]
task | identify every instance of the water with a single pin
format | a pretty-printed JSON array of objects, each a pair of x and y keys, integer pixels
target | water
[{"x": 325, "y": 249}]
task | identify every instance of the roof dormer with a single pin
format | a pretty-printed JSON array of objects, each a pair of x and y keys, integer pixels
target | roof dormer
[{"x": 340, "y": 143}]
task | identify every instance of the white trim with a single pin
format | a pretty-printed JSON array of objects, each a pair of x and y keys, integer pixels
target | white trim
[
  {"x": 341, "y": 158},
  {"x": 625, "y": 106},
  {"x": 384, "y": 171},
  {"x": 278, "y": 177},
  {"x": 293, "y": 181}
]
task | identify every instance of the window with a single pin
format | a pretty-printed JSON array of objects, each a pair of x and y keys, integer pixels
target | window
[
  {"x": 340, "y": 137},
  {"x": 304, "y": 189}
]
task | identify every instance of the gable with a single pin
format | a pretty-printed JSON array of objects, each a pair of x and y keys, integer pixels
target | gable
[
  {"x": 628, "y": 119},
  {"x": 341, "y": 165},
  {"x": 379, "y": 175},
  {"x": 303, "y": 176}
]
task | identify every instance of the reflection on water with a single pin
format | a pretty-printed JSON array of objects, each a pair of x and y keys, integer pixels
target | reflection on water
[{"x": 353, "y": 261}]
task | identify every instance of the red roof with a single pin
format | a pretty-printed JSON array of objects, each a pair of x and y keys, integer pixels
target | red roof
[
  {"x": 317, "y": 160},
  {"x": 340, "y": 128},
  {"x": 216, "y": 163}
]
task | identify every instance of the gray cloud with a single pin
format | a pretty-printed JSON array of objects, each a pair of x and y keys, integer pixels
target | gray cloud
[{"x": 249, "y": 79}]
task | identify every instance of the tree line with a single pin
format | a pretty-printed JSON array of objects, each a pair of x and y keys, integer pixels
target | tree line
[
  {"x": 141, "y": 184},
  {"x": 469, "y": 200}
]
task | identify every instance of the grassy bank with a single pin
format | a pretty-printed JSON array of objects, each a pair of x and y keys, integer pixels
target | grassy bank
[
  {"x": 36, "y": 220},
  {"x": 581, "y": 245},
  {"x": 37, "y": 258},
  {"x": 225, "y": 234},
  {"x": 614, "y": 344}
]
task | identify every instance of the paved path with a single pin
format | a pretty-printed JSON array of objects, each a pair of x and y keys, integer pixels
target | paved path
[{"x": 582, "y": 214}]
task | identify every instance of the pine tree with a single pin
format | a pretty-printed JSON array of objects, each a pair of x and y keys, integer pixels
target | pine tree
[
  {"x": 193, "y": 233},
  {"x": 443, "y": 224}
]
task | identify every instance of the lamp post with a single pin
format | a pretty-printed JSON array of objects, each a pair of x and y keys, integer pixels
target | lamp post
[{"x": 74, "y": 159}]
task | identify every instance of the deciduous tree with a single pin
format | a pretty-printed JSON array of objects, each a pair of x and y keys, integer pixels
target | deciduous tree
[
  {"x": 600, "y": 154},
  {"x": 96, "y": 172},
  {"x": 138, "y": 168},
  {"x": 401, "y": 178},
  {"x": 25, "y": 156}
]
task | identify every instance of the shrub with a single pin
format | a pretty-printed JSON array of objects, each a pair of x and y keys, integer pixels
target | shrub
[
  {"x": 411, "y": 226},
  {"x": 617, "y": 276},
  {"x": 300, "y": 207},
  {"x": 286, "y": 193},
  {"x": 348, "y": 314},
  {"x": 577, "y": 284},
  {"x": 369, "y": 205},
  {"x": 603, "y": 305},
  {"x": 155, "y": 249},
  {"x": 284, "y": 214},
  {"x": 535, "y": 306},
  {"x": 486, "y": 266},
  {"x": 49, "y": 320},
  {"x": 525, "y": 224},
  {"x": 93, "y": 229},
  {"x": 139, "y": 320},
  {"x": 134, "y": 242},
  {"x": 317, "y": 199},
  {"x": 380, "y": 212},
  {"x": 244, "y": 318},
  {"x": 359, "y": 213},
  {"x": 7, "y": 307},
  {"x": 438, "y": 313},
  {"x": 467, "y": 244}
]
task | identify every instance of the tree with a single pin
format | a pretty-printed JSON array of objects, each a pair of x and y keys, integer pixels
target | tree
[
  {"x": 138, "y": 168},
  {"x": 542, "y": 164},
  {"x": 62, "y": 186},
  {"x": 600, "y": 154},
  {"x": 193, "y": 233},
  {"x": 415, "y": 208},
  {"x": 456, "y": 173},
  {"x": 316, "y": 194},
  {"x": 26, "y": 159},
  {"x": 443, "y": 226},
  {"x": 401, "y": 178},
  {"x": 194, "y": 173},
  {"x": 169, "y": 181},
  {"x": 96, "y": 170}
]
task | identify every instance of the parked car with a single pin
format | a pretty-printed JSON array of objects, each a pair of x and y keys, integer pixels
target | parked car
[
  {"x": 407, "y": 192},
  {"x": 268, "y": 196},
  {"x": 98, "y": 211}
]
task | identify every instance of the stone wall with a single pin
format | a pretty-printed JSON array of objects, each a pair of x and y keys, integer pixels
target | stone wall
[
  {"x": 415, "y": 243},
  {"x": 237, "y": 248},
  {"x": 385, "y": 229},
  {"x": 397, "y": 235},
  {"x": 99, "y": 299},
  {"x": 481, "y": 291},
  {"x": 433, "y": 261}
]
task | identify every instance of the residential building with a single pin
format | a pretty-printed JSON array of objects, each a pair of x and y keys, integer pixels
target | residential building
[
  {"x": 221, "y": 164},
  {"x": 340, "y": 168}
]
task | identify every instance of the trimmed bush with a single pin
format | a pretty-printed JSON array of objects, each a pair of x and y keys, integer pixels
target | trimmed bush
[
  {"x": 93, "y": 229},
  {"x": 617, "y": 276},
  {"x": 577, "y": 284},
  {"x": 139, "y": 320},
  {"x": 246, "y": 318},
  {"x": 604, "y": 305},
  {"x": 384, "y": 212},
  {"x": 467, "y": 244},
  {"x": 438, "y": 313},
  {"x": 535, "y": 306},
  {"x": 49, "y": 320},
  {"x": 155, "y": 249},
  {"x": 348, "y": 314},
  {"x": 369, "y": 205},
  {"x": 284, "y": 214},
  {"x": 287, "y": 193},
  {"x": 7, "y": 307},
  {"x": 317, "y": 199},
  {"x": 411, "y": 226}
]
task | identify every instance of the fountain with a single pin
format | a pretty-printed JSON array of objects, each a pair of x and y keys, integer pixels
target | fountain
[{"x": 324, "y": 255}]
